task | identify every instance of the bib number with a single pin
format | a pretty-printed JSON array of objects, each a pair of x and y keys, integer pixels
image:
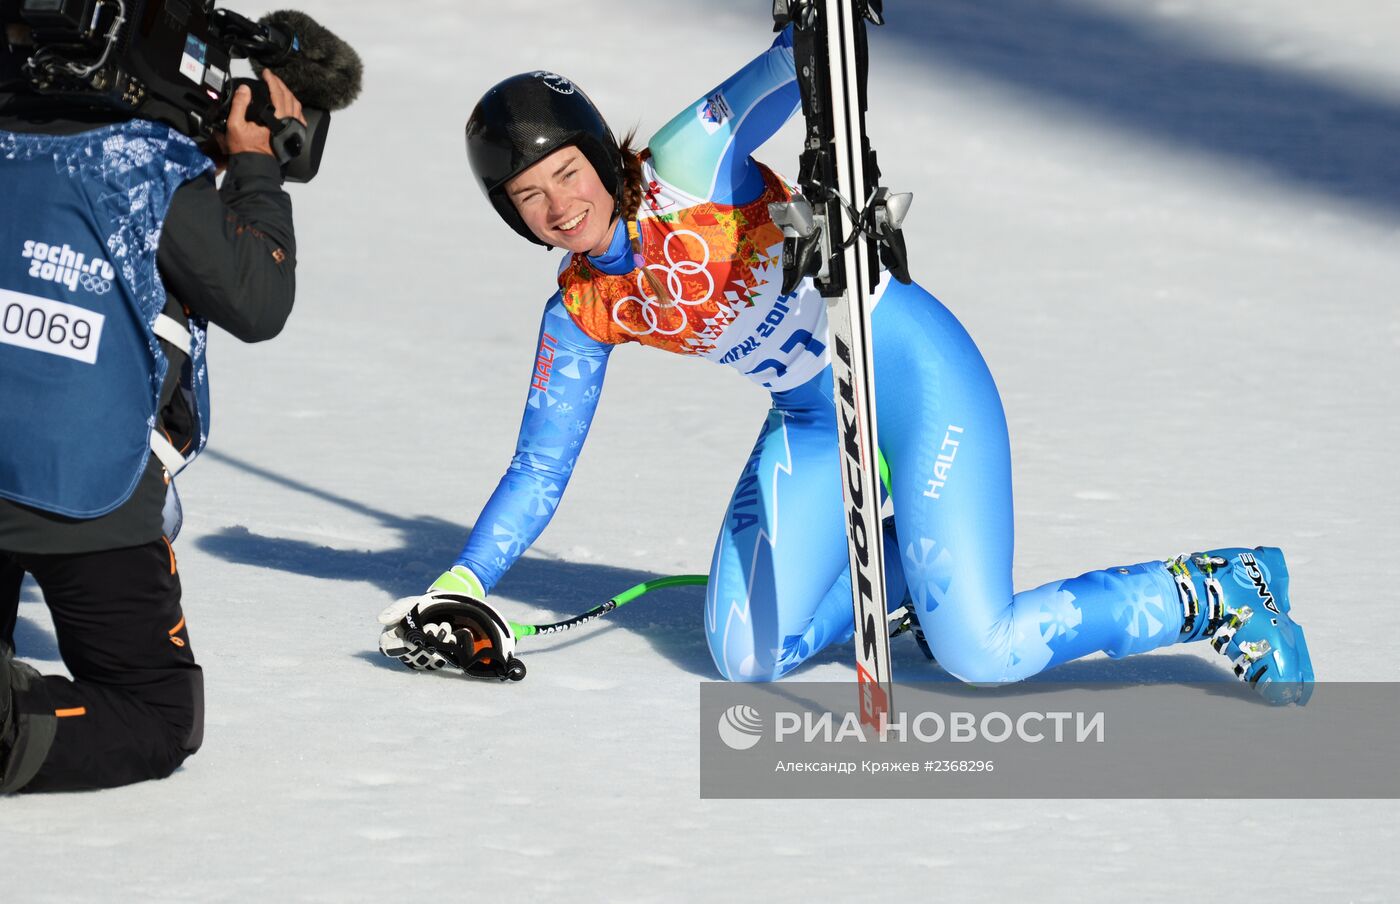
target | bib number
[{"x": 51, "y": 327}]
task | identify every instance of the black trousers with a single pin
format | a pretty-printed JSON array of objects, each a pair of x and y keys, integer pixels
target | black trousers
[{"x": 135, "y": 707}]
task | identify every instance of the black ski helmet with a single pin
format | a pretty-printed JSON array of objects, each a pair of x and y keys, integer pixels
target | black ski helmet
[{"x": 526, "y": 118}]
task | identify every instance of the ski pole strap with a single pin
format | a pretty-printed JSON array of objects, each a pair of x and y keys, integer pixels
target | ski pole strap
[{"x": 621, "y": 599}]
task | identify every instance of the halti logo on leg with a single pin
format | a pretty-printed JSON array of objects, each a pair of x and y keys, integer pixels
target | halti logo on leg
[{"x": 943, "y": 466}]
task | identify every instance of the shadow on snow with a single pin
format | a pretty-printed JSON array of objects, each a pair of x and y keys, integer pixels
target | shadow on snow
[
  {"x": 669, "y": 619},
  {"x": 670, "y": 622},
  {"x": 1145, "y": 76}
]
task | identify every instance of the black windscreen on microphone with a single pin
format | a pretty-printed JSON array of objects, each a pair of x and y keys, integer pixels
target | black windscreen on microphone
[{"x": 322, "y": 70}]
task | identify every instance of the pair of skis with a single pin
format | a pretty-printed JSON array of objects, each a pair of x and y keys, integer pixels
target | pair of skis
[{"x": 838, "y": 232}]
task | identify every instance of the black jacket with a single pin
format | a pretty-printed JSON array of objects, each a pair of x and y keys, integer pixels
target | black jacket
[{"x": 226, "y": 253}]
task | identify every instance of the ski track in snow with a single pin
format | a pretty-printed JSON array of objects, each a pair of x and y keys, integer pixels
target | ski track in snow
[{"x": 1195, "y": 348}]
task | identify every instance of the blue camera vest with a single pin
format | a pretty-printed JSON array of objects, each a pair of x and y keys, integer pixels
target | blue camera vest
[{"x": 81, "y": 366}]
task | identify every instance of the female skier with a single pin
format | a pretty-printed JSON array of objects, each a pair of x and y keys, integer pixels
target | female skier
[{"x": 674, "y": 248}]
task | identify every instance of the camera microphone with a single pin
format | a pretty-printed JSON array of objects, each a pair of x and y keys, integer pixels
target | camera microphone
[
  {"x": 322, "y": 70},
  {"x": 170, "y": 61}
]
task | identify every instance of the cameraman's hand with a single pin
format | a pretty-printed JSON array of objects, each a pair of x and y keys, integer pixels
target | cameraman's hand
[{"x": 244, "y": 136}]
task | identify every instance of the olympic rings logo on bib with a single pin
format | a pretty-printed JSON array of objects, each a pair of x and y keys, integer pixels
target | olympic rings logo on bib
[
  {"x": 94, "y": 284},
  {"x": 649, "y": 306}
]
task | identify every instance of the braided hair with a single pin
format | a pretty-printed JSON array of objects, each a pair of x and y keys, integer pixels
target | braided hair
[{"x": 633, "y": 190}]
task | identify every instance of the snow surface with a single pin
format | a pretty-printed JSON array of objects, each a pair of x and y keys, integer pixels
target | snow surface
[{"x": 1172, "y": 227}]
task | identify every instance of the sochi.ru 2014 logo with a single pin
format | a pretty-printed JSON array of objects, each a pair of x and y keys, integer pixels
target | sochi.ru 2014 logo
[
  {"x": 61, "y": 264},
  {"x": 740, "y": 727}
]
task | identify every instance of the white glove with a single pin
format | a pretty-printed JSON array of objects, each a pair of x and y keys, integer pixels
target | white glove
[
  {"x": 442, "y": 628},
  {"x": 393, "y": 640}
]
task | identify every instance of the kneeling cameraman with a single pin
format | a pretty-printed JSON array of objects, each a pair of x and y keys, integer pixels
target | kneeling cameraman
[{"x": 116, "y": 248}]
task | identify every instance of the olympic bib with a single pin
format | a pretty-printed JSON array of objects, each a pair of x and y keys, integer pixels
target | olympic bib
[
  {"x": 81, "y": 302},
  {"x": 709, "y": 287}
]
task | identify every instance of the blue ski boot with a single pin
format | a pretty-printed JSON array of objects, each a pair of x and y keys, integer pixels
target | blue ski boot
[
  {"x": 908, "y": 623},
  {"x": 1238, "y": 599}
]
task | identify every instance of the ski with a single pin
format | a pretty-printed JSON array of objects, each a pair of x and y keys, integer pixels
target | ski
[{"x": 838, "y": 231}]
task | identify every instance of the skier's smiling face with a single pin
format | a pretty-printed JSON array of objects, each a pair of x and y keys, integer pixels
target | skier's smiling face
[{"x": 564, "y": 202}]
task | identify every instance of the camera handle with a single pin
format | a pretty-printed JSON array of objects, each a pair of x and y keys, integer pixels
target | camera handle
[{"x": 288, "y": 134}]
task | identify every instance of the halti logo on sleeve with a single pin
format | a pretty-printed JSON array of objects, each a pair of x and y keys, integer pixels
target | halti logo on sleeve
[{"x": 544, "y": 363}]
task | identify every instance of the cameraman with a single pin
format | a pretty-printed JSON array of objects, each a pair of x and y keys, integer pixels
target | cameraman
[{"x": 135, "y": 707}]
